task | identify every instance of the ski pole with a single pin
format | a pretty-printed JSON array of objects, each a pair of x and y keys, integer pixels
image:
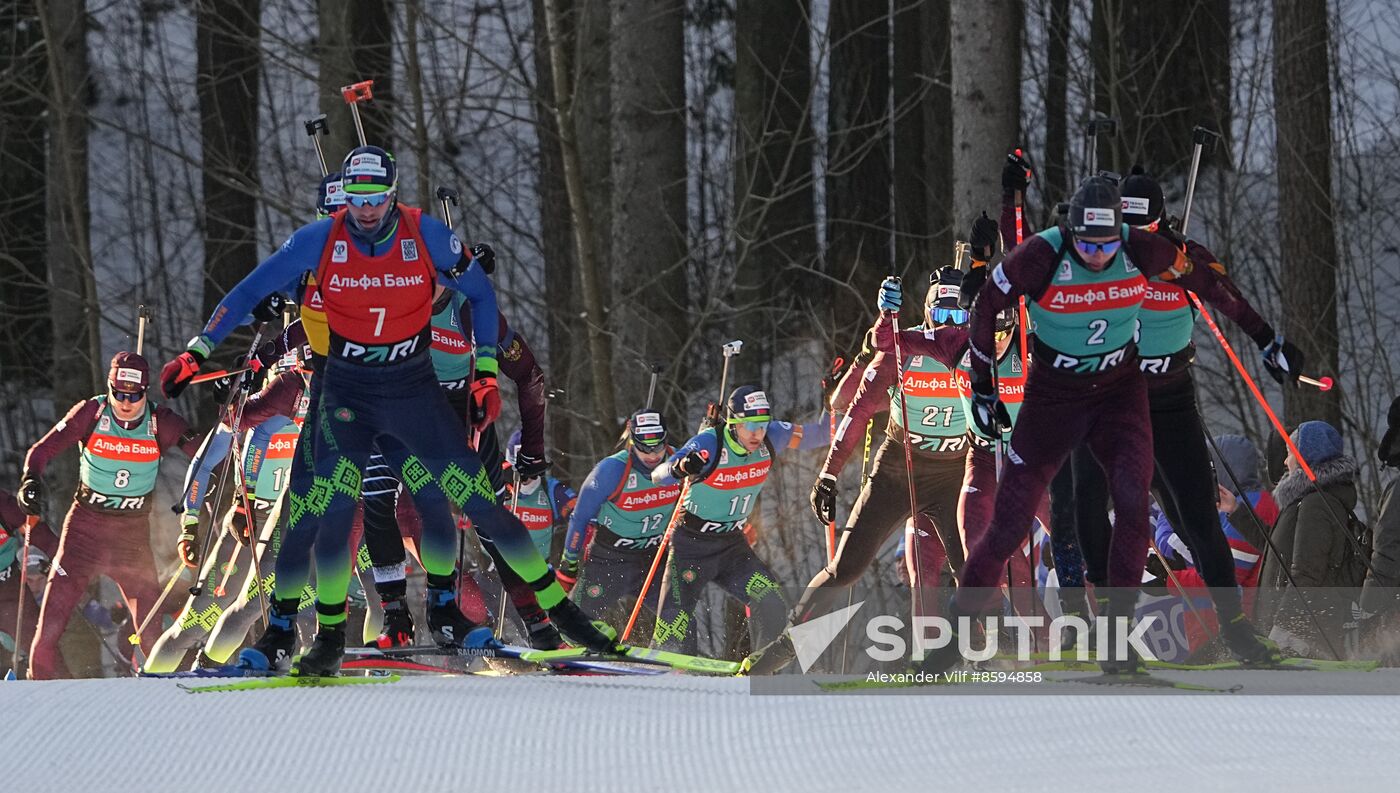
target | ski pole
[
  {"x": 30, "y": 521},
  {"x": 651, "y": 389},
  {"x": 143, "y": 316},
  {"x": 207, "y": 376},
  {"x": 1202, "y": 139},
  {"x": 315, "y": 128},
  {"x": 1099, "y": 126},
  {"x": 833, "y": 376},
  {"x": 448, "y": 198},
  {"x": 730, "y": 350},
  {"x": 908, "y": 460},
  {"x": 354, "y": 94}
]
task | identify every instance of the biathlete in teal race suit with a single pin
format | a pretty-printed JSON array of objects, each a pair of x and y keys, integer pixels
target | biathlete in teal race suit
[
  {"x": 729, "y": 466},
  {"x": 617, "y": 524},
  {"x": 1086, "y": 282}
]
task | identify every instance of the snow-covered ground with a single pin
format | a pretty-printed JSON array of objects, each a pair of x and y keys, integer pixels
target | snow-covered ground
[{"x": 674, "y": 734}]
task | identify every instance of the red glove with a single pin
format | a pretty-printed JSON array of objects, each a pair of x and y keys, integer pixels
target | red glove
[
  {"x": 174, "y": 376},
  {"x": 486, "y": 401}
]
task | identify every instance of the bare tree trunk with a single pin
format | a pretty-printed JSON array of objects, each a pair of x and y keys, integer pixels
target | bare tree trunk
[
  {"x": 78, "y": 367},
  {"x": 986, "y": 102},
  {"x": 860, "y": 215},
  {"x": 1056, "y": 181},
  {"x": 560, "y": 264},
  {"x": 227, "y": 44},
  {"x": 1303, "y": 125},
  {"x": 922, "y": 137},
  {"x": 774, "y": 213},
  {"x": 1161, "y": 69},
  {"x": 25, "y": 333},
  {"x": 421, "y": 149},
  {"x": 354, "y": 43},
  {"x": 649, "y": 197},
  {"x": 594, "y": 315}
]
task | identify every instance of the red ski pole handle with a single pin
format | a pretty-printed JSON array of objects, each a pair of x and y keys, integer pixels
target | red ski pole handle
[
  {"x": 1323, "y": 383},
  {"x": 207, "y": 376},
  {"x": 358, "y": 92}
]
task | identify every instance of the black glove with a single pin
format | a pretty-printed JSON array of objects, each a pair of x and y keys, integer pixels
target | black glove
[
  {"x": 971, "y": 285},
  {"x": 529, "y": 466},
  {"x": 485, "y": 256},
  {"x": 1016, "y": 174},
  {"x": 270, "y": 308},
  {"x": 824, "y": 498},
  {"x": 988, "y": 411},
  {"x": 689, "y": 465},
  {"x": 30, "y": 495},
  {"x": 983, "y": 239},
  {"x": 238, "y": 521},
  {"x": 1283, "y": 361}
]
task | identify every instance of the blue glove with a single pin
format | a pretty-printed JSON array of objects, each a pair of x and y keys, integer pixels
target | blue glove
[{"x": 891, "y": 296}]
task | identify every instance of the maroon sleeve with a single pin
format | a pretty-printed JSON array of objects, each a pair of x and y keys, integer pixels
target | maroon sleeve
[
  {"x": 1208, "y": 278},
  {"x": 517, "y": 361},
  {"x": 1026, "y": 270},
  {"x": 871, "y": 397},
  {"x": 278, "y": 398},
  {"x": 173, "y": 430},
  {"x": 850, "y": 381},
  {"x": 66, "y": 433},
  {"x": 944, "y": 345}
]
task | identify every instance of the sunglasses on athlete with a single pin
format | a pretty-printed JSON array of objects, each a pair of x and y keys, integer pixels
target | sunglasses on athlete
[
  {"x": 125, "y": 396},
  {"x": 368, "y": 199},
  {"x": 949, "y": 316},
  {"x": 1091, "y": 248}
]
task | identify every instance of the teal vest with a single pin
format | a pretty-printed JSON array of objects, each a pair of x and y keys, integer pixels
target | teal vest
[
  {"x": 931, "y": 400},
  {"x": 117, "y": 463},
  {"x": 1011, "y": 385},
  {"x": 451, "y": 349},
  {"x": 724, "y": 499},
  {"x": 1166, "y": 321},
  {"x": 1087, "y": 318},
  {"x": 536, "y": 511},
  {"x": 639, "y": 509}
]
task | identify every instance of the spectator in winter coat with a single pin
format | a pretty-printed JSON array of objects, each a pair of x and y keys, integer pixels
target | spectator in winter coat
[
  {"x": 1379, "y": 593},
  {"x": 1307, "y": 613}
]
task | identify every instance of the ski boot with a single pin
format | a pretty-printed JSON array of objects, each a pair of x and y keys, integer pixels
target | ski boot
[
  {"x": 324, "y": 657},
  {"x": 542, "y": 633},
  {"x": 398, "y": 625},
  {"x": 272, "y": 652},
  {"x": 1247, "y": 646},
  {"x": 770, "y": 659},
  {"x": 575, "y": 625},
  {"x": 450, "y": 628},
  {"x": 1114, "y": 607}
]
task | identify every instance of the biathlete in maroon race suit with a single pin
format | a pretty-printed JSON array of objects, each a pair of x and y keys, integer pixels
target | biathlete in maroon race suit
[
  {"x": 1086, "y": 281},
  {"x": 42, "y": 542},
  {"x": 122, "y": 438},
  {"x": 940, "y": 440},
  {"x": 376, "y": 266},
  {"x": 1184, "y": 484}
]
